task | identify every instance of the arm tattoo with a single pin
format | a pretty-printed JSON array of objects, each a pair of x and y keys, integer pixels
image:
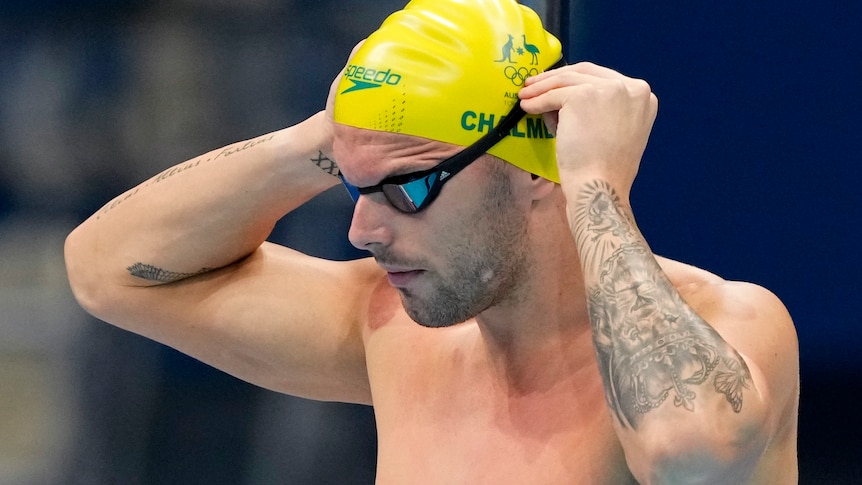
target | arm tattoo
[
  {"x": 152, "y": 273},
  {"x": 650, "y": 344},
  {"x": 326, "y": 164},
  {"x": 183, "y": 167}
]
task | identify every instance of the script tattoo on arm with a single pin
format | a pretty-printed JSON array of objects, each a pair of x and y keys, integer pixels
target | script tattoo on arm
[
  {"x": 153, "y": 273},
  {"x": 326, "y": 164},
  {"x": 225, "y": 152},
  {"x": 650, "y": 344}
]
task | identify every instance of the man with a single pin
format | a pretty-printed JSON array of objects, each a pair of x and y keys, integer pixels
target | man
[{"x": 513, "y": 326}]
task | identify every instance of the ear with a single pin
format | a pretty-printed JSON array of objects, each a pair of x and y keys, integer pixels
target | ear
[{"x": 540, "y": 188}]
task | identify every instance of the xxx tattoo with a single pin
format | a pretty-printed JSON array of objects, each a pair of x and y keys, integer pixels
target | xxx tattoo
[
  {"x": 326, "y": 164},
  {"x": 650, "y": 344}
]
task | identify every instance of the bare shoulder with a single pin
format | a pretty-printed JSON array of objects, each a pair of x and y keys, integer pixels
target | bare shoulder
[
  {"x": 754, "y": 321},
  {"x": 737, "y": 302},
  {"x": 682, "y": 274}
]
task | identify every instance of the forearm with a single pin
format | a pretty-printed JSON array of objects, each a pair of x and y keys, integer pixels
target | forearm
[
  {"x": 202, "y": 214},
  {"x": 681, "y": 396}
]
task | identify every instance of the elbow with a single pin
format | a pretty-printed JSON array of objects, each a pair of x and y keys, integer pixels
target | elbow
[
  {"x": 722, "y": 451},
  {"x": 706, "y": 465},
  {"x": 81, "y": 274}
]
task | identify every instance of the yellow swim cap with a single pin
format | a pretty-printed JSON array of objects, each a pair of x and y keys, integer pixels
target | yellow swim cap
[{"x": 449, "y": 70}]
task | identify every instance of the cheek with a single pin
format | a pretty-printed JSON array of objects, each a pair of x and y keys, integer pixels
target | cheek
[
  {"x": 491, "y": 226},
  {"x": 474, "y": 214}
]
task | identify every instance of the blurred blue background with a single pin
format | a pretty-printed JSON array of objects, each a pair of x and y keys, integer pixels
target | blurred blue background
[{"x": 751, "y": 172}]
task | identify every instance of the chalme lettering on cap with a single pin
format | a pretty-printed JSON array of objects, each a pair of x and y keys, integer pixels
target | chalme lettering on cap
[{"x": 529, "y": 127}]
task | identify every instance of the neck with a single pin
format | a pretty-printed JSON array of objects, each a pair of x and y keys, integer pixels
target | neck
[{"x": 543, "y": 333}]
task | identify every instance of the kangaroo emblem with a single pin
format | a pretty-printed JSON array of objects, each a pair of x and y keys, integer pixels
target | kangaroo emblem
[{"x": 507, "y": 51}]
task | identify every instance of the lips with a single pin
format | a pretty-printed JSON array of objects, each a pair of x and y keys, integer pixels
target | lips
[
  {"x": 401, "y": 279},
  {"x": 401, "y": 276}
]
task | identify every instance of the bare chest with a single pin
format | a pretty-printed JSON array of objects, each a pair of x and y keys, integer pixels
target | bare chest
[
  {"x": 433, "y": 453},
  {"x": 441, "y": 422}
]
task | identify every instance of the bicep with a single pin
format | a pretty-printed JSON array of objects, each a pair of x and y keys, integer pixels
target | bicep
[
  {"x": 756, "y": 323},
  {"x": 278, "y": 319}
]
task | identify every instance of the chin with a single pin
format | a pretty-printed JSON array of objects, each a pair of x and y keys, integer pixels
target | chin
[
  {"x": 437, "y": 324},
  {"x": 433, "y": 316}
]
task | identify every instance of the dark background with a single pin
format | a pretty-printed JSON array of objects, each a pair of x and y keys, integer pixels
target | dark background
[{"x": 751, "y": 172}]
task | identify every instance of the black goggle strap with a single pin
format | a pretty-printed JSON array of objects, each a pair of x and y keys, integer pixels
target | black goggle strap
[
  {"x": 459, "y": 161},
  {"x": 437, "y": 175},
  {"x": 483, "y": 144}
]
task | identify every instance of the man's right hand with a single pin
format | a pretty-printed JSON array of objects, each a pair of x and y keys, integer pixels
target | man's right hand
[{"x": 601, "y": 119}]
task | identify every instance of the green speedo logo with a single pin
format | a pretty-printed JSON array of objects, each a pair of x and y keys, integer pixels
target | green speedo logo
[{"x": 365, "y": 77}]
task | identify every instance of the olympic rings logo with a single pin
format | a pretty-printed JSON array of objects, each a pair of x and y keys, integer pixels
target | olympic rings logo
[{"x": 519, "y": 75}]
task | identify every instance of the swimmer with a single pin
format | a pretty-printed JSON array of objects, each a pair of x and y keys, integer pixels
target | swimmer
[{"x": 512, "y": 325}]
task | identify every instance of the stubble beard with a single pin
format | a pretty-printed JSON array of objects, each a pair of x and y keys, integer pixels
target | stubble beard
[{"x": 488, "y": 262}]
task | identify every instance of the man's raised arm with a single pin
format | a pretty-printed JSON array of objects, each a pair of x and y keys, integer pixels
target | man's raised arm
[
  {"x": 202, "y": 214},
  {"x": 182, "y": 259},
  {"x": 698, "y": 393}
]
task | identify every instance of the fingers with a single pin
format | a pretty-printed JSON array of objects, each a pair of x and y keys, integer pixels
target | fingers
[
  {"x": 546, "y": 97},
  {"x": 575, "y": 85},
  {"x": 583, "y": 68},
  {"x": 580, "y": 74},
  {"x": 601, "y": 118},
  {"x": 596, "y": 70}
]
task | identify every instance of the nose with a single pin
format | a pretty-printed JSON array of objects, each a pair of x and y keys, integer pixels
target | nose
[{"x": 369, "y": 226}]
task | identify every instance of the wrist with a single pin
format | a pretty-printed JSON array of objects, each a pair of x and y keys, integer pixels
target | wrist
[
  {"x": 307, "y": 138},
  {"x": 575, "y": 182},
  {"x": 297, "y": 163}
]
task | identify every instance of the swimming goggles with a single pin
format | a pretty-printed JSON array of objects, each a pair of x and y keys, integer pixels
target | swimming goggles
[{"x": 413, "y": 192}]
